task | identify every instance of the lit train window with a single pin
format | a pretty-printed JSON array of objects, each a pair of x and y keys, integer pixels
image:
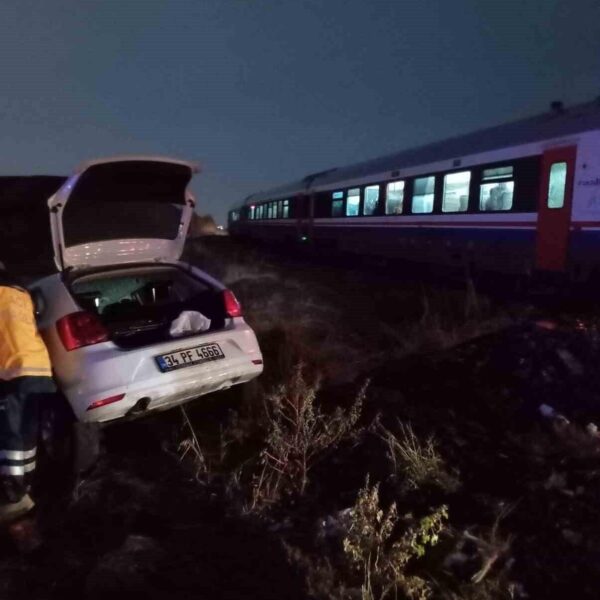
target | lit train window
[
  {"x": 286, "y": 209},
  {"x": 557, "y": 185},
  {"x": 456, "y": 192},
  {"x": 337, "y": 205},
  {"x": 252, "y": 211},
  {"x": 422, "y": 200},
  {"x": 394, "y": 198},
  {"x": 353, "y": 202},
  {"x": 371, "y": 200},
  {"x": 497, "y": 189}
]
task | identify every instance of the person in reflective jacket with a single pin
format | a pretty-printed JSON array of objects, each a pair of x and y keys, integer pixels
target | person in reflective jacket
[{"x": 25, "y": 381}]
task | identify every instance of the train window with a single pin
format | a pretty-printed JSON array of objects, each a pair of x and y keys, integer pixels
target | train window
[
  {"x": 497, "y": 189},
  {"x": 371, "y": 200},
  {"x": 280, "y": 209},
  {"x": 252, "y": 211},
  {"x": 286, "y": 209},
  {"x": 337, "y": 205},
  {"x": 456, "y": 192},
  {"x": 557, "y": 185},
  {"x": 423, "y": 192},
  {"x": 394, "y": 198},
  {"x": 353, "y": 202},
  {"x": 498, "y": 173},
  {"x": 272, "y": 210}
]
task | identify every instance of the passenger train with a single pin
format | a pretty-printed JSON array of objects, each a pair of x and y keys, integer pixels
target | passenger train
[{"x": 520, "y": 198}]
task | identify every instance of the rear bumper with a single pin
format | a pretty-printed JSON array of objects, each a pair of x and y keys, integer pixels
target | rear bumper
[
  {"x": 155, "y": 395},
  {"x": 133, "y": 379}
]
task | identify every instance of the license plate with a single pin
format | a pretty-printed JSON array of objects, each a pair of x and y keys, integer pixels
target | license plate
[{"x": 189, "y": 357}]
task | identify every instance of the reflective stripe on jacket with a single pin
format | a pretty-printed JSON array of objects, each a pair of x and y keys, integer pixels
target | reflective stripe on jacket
[{"x": 22, "y": 350}]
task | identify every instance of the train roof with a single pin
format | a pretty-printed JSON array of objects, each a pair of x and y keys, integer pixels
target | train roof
[
  {"x": 557, "y": 122},
  {"x": 289, "y": 189}
]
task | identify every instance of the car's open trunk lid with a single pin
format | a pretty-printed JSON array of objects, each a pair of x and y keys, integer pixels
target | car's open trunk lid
[{"x": 118, "y": 211}]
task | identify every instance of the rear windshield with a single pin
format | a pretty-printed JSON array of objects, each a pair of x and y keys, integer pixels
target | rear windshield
[
  {"x": 124, "y": 200},
  {"x": 137, "y": 293}
]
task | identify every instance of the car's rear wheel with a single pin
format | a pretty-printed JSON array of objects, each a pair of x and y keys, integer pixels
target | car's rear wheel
[{"x": 55, "y": 455}]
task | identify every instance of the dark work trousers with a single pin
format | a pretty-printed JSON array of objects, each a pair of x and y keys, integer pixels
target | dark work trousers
[{"x": 20, "y": 400}]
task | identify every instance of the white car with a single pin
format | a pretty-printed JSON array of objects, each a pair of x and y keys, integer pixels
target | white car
[{"x": 118, "y": 227}]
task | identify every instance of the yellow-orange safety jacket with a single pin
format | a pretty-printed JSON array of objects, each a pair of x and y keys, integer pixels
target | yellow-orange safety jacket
[{"x": 22, "y": 350}]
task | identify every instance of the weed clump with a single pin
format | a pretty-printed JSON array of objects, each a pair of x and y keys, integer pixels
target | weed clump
[
  {"x": 380, "y": 549},
  {"x": 300, "y": 434}
]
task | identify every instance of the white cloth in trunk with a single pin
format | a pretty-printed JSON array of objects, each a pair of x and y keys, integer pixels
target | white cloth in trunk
[{"x": 189, "y": 321}]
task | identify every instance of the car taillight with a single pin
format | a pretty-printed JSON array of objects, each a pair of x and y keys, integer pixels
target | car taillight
[
  {"x": 81, "y": 329},
  {"x": 232, "y": 306}
]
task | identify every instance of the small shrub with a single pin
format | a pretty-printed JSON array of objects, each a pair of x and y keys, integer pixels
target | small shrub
[
  {"x": 300, "y": 434},
  {"x": 374, "y": 548}
]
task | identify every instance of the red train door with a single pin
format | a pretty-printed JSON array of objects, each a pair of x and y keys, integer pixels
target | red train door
[{"x": 554, "y": 212}]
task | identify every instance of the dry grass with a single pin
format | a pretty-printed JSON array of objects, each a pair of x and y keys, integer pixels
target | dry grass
[
  {"x": 477, "y": 556},
  {"x": 415, "y": 462},
  {"x": 340, "y": 324},
  {"x": 189, "y": 448}
]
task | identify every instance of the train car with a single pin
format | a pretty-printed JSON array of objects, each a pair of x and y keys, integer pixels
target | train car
[{"x": 520, "y": 198}]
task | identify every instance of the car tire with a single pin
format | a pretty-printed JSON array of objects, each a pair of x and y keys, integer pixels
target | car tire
[
  {"x": 87, "y": 446},
  {"x": 55, "y": 435},
  {"x": 66, "y": 447}
]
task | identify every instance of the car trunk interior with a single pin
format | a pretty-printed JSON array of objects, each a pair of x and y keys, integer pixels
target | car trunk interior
[{"x": 138, "y": 305}]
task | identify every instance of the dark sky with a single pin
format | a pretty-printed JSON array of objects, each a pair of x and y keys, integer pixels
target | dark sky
[{"x": 265, "y": 91}]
